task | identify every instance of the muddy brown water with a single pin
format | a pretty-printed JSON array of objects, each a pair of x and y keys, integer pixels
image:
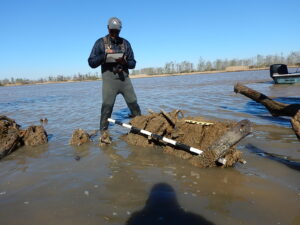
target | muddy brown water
[{"x": 123, "y": 184}]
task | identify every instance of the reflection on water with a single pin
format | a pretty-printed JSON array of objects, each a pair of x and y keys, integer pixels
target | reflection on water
[{"x": 119, "y": 184}]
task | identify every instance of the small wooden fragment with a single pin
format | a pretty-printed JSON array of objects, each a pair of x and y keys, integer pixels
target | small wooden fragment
[
  {"x": 169, "y": 119},
  {"x": 151, "y": 111}
]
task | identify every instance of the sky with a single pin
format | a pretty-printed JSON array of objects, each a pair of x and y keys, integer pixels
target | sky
[{"x": 41, "y": 38}]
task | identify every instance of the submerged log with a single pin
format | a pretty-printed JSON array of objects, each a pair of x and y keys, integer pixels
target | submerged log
[{"x": 275, "y": 108}]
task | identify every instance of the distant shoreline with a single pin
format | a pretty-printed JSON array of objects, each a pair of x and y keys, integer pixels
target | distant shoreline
[
  {"x": 192, "y": 73},
  {"x": 137, "y": 76}
]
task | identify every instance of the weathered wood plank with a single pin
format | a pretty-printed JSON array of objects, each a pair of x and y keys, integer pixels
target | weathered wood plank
[{"x": 230, "y": 138}]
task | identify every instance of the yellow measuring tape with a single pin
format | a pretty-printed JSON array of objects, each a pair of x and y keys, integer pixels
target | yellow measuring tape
[{"x": 198, "y": 122}]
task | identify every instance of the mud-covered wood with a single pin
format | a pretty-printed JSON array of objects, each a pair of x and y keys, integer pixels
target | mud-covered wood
[
  {"x": 295, "y": 121},
  {"x": 79, "y": 137},
  {"x": 195, "y": 135},
  {"x": 11, "y": 137},
  {"x": 230, "y": 138},
  {"x": 35, "y": 135},
  {"x": 168, "y": 117},
  {"x": 9, "y": 142},
  {"x": 2, "y": 117},
  {"x": 275, "y": 108}
]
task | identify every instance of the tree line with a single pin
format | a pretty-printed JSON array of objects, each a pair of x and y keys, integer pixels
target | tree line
[
  {"x": 58, "y": 78},
  {"x": 259, "y": 61}
]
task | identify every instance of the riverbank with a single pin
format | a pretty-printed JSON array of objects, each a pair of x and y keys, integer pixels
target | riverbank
[
  {"x": 193, "y": 73},
  {"x": 132, "y": 77}
]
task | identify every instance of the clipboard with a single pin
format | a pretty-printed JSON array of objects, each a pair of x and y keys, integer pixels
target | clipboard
[{"x": 111, "y": 57}]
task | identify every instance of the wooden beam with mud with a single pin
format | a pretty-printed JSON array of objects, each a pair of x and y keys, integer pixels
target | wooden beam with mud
[
  {"x": 230, "y": 138},
  {"x": 220, "y": 150}
]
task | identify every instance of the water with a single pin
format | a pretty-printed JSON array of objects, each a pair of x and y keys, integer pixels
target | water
[{"x": 118, "y": 183}]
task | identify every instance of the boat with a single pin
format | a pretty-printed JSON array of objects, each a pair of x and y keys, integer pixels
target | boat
[{"x": 279, "y": 73}]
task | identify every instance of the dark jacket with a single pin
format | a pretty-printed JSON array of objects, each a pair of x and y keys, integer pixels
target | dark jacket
[{"x": 97, "y": 55}]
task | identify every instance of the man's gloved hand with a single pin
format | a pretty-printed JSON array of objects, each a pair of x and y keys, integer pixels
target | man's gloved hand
[{"x": 118, "y": 69}]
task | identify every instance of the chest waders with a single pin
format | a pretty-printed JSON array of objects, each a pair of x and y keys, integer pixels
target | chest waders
[{"x": 114, "y": 84}]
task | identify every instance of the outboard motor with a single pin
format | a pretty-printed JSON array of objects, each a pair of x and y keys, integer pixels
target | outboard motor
[{"x": 278, "y": 68}]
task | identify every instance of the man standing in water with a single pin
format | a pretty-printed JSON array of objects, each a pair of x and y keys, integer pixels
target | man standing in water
[{"x": 114, "y": 74}]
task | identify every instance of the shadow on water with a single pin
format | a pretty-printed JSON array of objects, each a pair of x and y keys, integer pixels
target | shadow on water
[
  {"x": 162, "y": 207},
  {"x": 50, "y": 136},
  {"x": 259, "y": 110},
  {"x": 279, "y": 158},
  {"x": 288, "y": 100},
  {"x": 269, "y": 82},
  {"x": 122, "y": 115},
  {"x": 277, "y": 120}
]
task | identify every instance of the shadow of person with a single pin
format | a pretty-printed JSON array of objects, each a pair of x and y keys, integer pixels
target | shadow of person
[{"x": 162, "y": 207}]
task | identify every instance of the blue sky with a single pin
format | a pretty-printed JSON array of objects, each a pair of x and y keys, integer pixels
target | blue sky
[{"x": 41, "y": 38}]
